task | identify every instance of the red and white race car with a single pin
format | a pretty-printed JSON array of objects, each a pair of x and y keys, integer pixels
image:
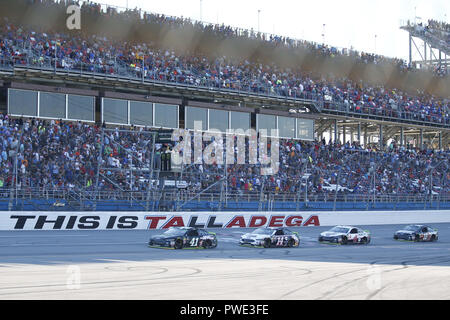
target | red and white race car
[{"x": 345, "y": 235}]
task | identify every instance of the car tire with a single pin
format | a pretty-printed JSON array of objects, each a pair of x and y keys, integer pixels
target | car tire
[
  {"x": 416, "y": 238},
  {"x": 207, "y": 244},
  {"x": 344, "y": 240},
  {"x": 267, "y": 243},
  {"x": 178, "y": 244},
  {"x": 291, "y": 243},
  {"x": 364, "y": 240},
  {"x": 433, "y": 238},
  {"x": 395, "y": 238}
]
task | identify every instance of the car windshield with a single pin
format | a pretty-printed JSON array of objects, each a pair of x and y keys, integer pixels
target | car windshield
[
  {"x": 412, "y": 228},
  {"x": 339, "y": 229},
  {"x": 262, "y": 231},
  {"x": 173, "y": 232}
]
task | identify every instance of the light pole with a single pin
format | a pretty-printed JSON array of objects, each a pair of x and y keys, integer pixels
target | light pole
[
  {"x": 431, "y": 180},
  {"x": 375, "y": 44},
  {"x": 337, "y": 186},
  {"x": 375, "y": 168},
  {"x": 323, "y": 33},
  {"x": 339, "y": 175},
  {"x": 56, "y": 52},
  {"x": 444, "y": 175},
  {"x": 398, "y": 187},
  {"x": 259, "y": 11},
  {"x": 143, "y": 67}
]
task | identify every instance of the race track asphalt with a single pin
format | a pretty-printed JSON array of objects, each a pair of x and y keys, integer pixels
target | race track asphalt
[{"x": 119, "y": 265}]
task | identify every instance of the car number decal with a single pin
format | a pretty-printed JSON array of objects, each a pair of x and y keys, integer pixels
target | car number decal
[{"x": 194, "y": 242}]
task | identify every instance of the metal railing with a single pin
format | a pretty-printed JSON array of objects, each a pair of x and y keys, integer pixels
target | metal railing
[{"x": 72, "y": 199}]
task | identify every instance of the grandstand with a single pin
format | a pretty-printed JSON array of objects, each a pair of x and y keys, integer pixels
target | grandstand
[
  {"x": 435, "y": 37},
  {"x": 87, "y": 117}
]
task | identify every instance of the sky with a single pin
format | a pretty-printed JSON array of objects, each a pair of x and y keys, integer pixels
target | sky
[{"x": 366, "y": 25}]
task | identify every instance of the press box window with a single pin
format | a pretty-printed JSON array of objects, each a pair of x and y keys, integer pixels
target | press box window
[
  {"x": 141, "y": 113},
  {"x": 166, "y": 116},
  {"x": 22, "y": 102},
  {"x": 80, "y": 107},
  {"x": 193, "y": 114},
  {"x": 52, "y": 105},
  {"x": 115, "y": 111}
]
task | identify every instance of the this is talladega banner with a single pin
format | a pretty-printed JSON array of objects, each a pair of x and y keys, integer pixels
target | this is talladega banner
[{"x": 35, "y": 220}]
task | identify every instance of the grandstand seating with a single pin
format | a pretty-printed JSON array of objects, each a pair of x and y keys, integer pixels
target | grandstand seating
[
  {"x": 52, "y": 154},
  {"x": 103, "y": 170},
  {"x": 23, "y": 45}
]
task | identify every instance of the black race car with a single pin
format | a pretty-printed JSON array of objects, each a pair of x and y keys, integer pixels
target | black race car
[
  {"x": 416, "y": 232},
  {"x": 270, "y": 237},
  {"x": 184, "y": 237}
]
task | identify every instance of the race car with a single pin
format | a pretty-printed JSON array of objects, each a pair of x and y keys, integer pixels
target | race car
[
  {"x": 416, "y": 232},
  {"x": 270, "y": 237},
  {"x": 184, "y": 237},
  {"x": 345, "y": 235}
]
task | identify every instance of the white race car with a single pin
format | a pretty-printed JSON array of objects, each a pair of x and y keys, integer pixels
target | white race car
[
  {"x": 270, "y": 237},
  {"x": 345, "y": 235}
]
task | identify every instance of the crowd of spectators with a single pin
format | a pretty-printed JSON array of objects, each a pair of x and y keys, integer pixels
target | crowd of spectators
[
  {"x": 57, "y": 155},
  {"x": 222, "y": 31},
  {"x": 326, "y": 166},
  {"x": 440, "y": 31},
  {"x": 439, "y": 26},
  {"x": 219, "y": 30},
  {"x": 146, "y": 61}
]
